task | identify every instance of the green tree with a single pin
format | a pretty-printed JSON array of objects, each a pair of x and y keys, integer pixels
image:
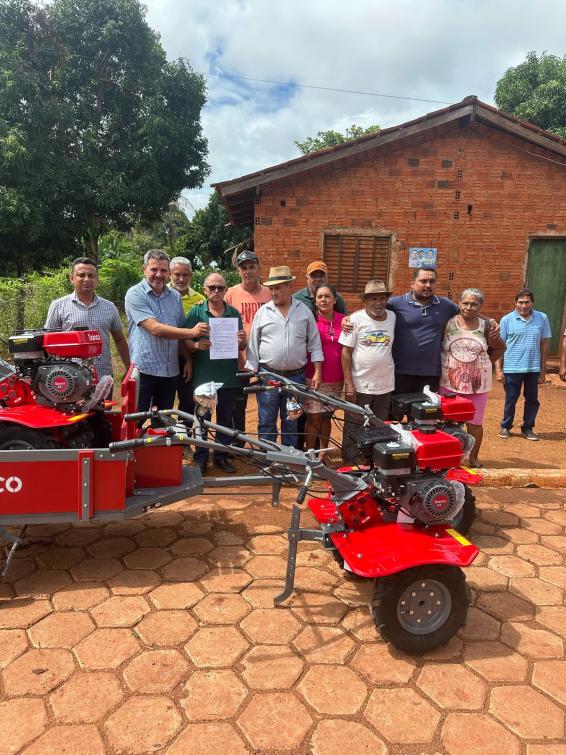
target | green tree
[
  {"x": 535, "y": 91},
  {"x": 209, "y": 236},
  {"x": 100, "y": 130},
  {"x": 331, "y": 138}
]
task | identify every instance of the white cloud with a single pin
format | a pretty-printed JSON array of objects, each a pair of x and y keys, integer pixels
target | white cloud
[{"x": 438, "y": 50}]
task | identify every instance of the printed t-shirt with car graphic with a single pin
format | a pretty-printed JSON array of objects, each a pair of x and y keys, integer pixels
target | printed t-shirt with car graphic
[{"x": 373, "y": 370}]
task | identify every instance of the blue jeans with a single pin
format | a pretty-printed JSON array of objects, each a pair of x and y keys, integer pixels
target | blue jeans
[
  {"x": 271, "y": 405},
  {"x": 514, "y": 381}
]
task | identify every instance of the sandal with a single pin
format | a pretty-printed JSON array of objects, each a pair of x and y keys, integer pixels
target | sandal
[{"x": 475, "y": 464}]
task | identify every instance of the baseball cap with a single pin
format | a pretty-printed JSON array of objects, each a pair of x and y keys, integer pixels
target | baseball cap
[
  {"x": 317, "y": 265},
  {"x": 246, "y": 256}
]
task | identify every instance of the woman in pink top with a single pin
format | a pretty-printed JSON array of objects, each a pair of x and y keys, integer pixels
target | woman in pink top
[{"x": 329, "y": 324}]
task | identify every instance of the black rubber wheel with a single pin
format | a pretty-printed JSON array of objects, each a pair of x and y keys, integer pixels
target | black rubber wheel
[
  {"x": 18, "y": 438},
  {"x": 467, "y": 515},
  {"x": 420, "y": 609}
]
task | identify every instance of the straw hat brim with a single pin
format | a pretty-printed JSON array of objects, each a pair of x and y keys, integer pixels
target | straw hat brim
[{"x": 276, "y": 281}]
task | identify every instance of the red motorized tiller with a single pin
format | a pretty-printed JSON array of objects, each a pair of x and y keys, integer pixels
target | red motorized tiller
[{"x": 395, "y": 521}]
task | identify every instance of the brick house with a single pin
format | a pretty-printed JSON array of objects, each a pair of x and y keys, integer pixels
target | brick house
[{"x": 484, "y": 188}]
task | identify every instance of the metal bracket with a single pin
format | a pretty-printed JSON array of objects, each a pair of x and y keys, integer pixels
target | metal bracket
[
  {"x": 295, "y": 534},
  {"x": 10, "y": 550}
]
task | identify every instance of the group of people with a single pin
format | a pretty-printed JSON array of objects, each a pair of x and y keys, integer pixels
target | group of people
[{"x": 392, "y": 344}]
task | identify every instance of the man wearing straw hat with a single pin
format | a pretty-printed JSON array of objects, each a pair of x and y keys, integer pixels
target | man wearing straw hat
[
  {"x": 283, "y": 334},
  {"x": 367, "y": 362}
]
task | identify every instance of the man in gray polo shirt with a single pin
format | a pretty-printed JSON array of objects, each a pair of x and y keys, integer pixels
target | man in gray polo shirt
[
  {"x": 155, "y": 328},
  {"x": 83, "y": 308},
  {"x": 283, "y": 336}
]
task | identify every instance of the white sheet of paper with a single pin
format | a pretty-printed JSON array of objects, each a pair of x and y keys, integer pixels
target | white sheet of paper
[{"x": 223, "y": 338}]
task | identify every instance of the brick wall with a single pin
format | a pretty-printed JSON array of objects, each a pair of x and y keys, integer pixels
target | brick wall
[{"x": 471, "y": 191}]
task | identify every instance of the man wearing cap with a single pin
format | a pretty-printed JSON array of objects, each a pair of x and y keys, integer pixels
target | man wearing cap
[
  {"x": 247, "y": 297},
  {"x": 181, "y": 272},
  {"x": 367, "y": 361},
  {"x": 283, "y": 334},
  {"x": 317, "y": 273}
]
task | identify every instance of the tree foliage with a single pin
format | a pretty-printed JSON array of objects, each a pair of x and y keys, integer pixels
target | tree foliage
[
  {"x": 535, "y": 91},
  {"x": 209, "y": 235},
  {"x": 331, "y": 138},
  {"x": 97, "y": 129}
]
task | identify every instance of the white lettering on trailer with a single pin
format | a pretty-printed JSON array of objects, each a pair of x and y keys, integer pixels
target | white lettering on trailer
[{"x": 10, "y": 484}]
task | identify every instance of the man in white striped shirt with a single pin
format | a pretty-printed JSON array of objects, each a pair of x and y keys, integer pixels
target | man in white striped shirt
[{"x": 83, "y": 308}]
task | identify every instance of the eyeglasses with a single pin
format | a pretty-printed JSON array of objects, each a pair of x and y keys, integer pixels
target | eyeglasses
[{"x": 217, "y": 288}]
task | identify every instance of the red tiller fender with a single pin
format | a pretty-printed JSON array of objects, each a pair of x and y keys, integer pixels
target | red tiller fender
[{"x": 391, "y": 547}]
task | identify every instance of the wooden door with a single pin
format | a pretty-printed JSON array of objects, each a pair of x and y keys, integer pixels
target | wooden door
[{"x": 546, "y": 276}]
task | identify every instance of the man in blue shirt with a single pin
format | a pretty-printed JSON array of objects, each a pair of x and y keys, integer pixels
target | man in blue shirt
[
  {"x": 155, "y": 327},
  {"x": 421, "y": 318},
  {"x": 526, "y": 333}
]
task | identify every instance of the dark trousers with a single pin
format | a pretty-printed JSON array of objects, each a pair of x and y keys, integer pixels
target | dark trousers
[
  {"x": 301, "y": 424},
  {"x": 411, "y": 384},
  {"x": 239, "y": 411},
  {"x": 224, "y": 409},
  {"x": 415, "y": 383},
  {"x": 185, "y": 391},
  {"x": 156, "y": 391},
  {"x": 514, "y": 381},
  {"x": 239, "y": 415},
  {"x": 379, "y": 405}
]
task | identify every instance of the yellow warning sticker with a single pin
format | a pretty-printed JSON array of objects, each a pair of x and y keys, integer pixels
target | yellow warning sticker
[
  {"x": 470, "y": 470},
  {"x": 457, "y": 536}
]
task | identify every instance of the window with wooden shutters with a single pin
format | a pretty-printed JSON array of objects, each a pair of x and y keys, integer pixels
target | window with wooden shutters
[{"x": 355, "y": 259}]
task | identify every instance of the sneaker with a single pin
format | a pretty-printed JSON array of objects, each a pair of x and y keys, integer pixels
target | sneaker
[
  {"x": 504, "y": 433},
  {"x": 529, "y": 434}
]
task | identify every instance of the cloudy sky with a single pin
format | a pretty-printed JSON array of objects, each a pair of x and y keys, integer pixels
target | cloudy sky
[{"x": 437, "y": 50}]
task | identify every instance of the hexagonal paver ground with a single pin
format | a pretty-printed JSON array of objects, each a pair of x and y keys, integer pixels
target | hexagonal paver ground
[
  {"x": 334, "y": 690},
  {"x": 68, "y": 739},
  {"x": 143, "y": 724},
  {"x": 37, "y": 672},
  {"x": 275, "y": 721},
  {"x": 402, "y": 716},
  {"x": 473, "y": 733},
  {"x": 452, "y": 687},
  {"x": 155, "y": 671},
  {"x": 271, "y": 667},
  {"x": 106, "y": 648},
  {"x": 22, "y": 721},
  {"x": 207, "y": 738},
  {"x": 86, "y": 697},
  {"x": 213, "y": 695},
  {"x": 333, "y": 736},
  {"x": 159, "y": 634},
  {"x": 61, "y": 630},
  {"x": 216, "y": 647},
  {"x": 527, "y": 713}
]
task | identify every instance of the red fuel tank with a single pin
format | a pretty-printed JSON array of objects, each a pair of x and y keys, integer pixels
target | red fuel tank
[
  {"x": 457, "y": 408},
  {"x": 437, "y": 450},
  {"x": 79, "y": 344}
]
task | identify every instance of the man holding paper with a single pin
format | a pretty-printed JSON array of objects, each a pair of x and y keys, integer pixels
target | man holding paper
[{"x": 215, "y": 358}]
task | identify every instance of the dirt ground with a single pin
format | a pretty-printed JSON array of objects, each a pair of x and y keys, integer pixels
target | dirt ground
[{"x": 515, "y": 452}]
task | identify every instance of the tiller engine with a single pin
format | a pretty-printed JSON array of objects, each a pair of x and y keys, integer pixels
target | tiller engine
[{"x": 47, "y": 396}]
